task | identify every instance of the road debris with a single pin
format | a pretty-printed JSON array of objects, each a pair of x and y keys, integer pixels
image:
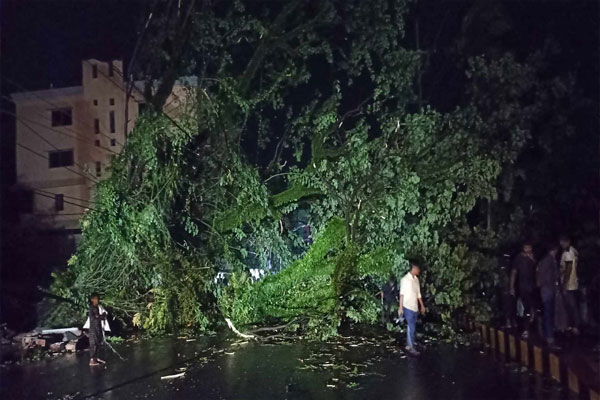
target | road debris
[
  {"x": 234, "y": 329},
  {"x": 172, "y": 376}
]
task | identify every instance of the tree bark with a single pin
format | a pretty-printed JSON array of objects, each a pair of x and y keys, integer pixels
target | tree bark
[{"x": 165, "y": 86}]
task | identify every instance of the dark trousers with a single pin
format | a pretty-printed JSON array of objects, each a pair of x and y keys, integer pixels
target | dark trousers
[
  {"x": 548, "y": 302},
  {"x": 509, "y": 304},
  {"x": 96, "y": 338},
  {"x": 527, "y": 298},
  {"x": 572, "y": 308},
  {"x": 387, "y": 311}
]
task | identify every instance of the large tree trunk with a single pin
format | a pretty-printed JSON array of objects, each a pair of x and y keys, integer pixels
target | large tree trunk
[{"x": 165, "y": 86}]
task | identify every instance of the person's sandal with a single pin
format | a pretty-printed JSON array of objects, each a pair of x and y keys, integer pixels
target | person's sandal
[
  {"x": 412, "y": 352},
  {"x": 94, "y": 363}
]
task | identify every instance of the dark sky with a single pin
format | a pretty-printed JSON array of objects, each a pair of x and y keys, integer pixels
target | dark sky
[{"x": 44, "y": 41}]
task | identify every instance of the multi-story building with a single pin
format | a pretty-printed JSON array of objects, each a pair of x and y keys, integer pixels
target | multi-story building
[{"x": 67, "y": 137}]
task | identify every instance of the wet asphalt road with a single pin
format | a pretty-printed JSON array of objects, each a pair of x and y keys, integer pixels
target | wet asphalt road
[{"x": 231, "y": 369}]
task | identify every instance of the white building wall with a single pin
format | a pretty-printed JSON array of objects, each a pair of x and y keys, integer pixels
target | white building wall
[{"x": 101, "y": 94}]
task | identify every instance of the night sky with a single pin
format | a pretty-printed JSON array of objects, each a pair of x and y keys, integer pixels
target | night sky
[{"x": 43, "y": 43}]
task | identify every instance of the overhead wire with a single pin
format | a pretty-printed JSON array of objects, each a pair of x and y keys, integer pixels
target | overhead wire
[
  {"x": 38, "y": 134},
  {"x": 53, "y": 146},
  {"x": 66, "y": 196},
  {"x": 64, "y": 201},
  {"x": 142, "y": 94},
  {"x": 76, "y": 136},
  {"x": 64, "y": 166},
  {"x": 54, "y": 105},
  {"x": 127, "y": 94},
  {"x": 54, "y": 215},
  {"x": 57, "y": 106}
]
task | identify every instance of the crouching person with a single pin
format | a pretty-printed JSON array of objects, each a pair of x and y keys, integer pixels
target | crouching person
[{"x": 410, "y": 305}]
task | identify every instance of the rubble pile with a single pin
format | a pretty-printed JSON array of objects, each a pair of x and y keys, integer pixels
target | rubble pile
[{"x": 40, "y": 342}]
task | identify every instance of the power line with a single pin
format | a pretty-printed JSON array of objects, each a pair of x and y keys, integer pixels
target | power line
[
  {"x": 161, "y": 111},
  {"x": 120, "y": 73},
  {"x": 53, "y": 146},
  {"x": 76, "y": 136},
  {"x": 46, "y": 158},
  {"x": 76, "y": 133},
  {"x": 64, "y": 201},
  {"x": 22, "y": 120},
  {"x": 129, "y": 88},
  {"x": 54, "y": 215},
  {"x": 64, "y": 195},
  {"x": 133, "y": 86},
  {"x": 53, "y": 105},
  {"x": 45, "y": 100}
]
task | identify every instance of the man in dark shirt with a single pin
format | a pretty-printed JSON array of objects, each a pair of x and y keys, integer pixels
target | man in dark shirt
[
  {"x": 547, "y": 280},
  {"x": 523, "y": 270},
  {"x": 508, "y": 299},
  {"x": 389, "y": 298}
]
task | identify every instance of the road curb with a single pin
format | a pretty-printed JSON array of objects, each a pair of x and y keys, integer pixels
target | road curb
[{"x": 534, "y": 357}]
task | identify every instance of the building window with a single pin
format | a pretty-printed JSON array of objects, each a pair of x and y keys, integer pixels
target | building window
[
  {"x": 95, "y": 102},
  {"x": 94, "y": 71},
  {"x": 98, "y": 169},
  {"x": 111, "y": 102},
  {"x": 110, "y": 68},
  {"x": 60, "y": 158},
  {"x": 111, "y": 117},
  {"x": 59, "y": 202},
  {"x": 62, "y": 117},
  {"x": 113, "y": 142},
  {"x": 97, "y": 143},
  {"x": 96, "y": 126}
]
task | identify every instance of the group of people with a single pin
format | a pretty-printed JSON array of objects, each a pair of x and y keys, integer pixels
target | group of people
[{"x": 553, "y": 280}]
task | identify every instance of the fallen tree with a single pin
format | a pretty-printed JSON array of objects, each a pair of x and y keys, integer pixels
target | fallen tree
[{"x": 264, "y": 136}]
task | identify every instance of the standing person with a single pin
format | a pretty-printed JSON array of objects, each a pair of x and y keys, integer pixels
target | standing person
[
  {"x": 509, "y": 303},
  {"x": 523, "y": 271},
  {"x": 547, "y": 281},
  {"x": 570, "y": 284},
  {"x": 389, "y": 298},
  {"x": 410, "y": 304},
  {"x": 96, "y": 315}
]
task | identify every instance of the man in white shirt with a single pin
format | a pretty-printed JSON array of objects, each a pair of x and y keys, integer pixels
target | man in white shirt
[
  {"x": 410, "y": 305},
  {"x": 570, "y": 284}
]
